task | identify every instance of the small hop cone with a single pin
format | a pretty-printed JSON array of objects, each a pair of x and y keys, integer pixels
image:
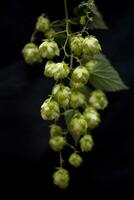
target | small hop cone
[
  {"x": 76, "y": 45},
  {"x": 78, "y": 126},
  {"x": 61, "y": 178},
  {"x": 75, "y": 160},
  {"x": 80, "y": 75},
  {"x": 86, "y": 143},
  {"x": 76, "y": 85},
  {"x": 98, "y": 100},
  {"x": 91, "y": 46},
  {"x": 31, "y": 54},
  {"x": 49, "y": 49},
  {"x": 62, "y": 95},
  {"x": 92, "y": 117},
  {"x": 50, "y": 110},
  {"x": 55, "y": 130},
  {"x": 77, "y": 99},
  {"x": 49, "y": 68},
  {"x": 57, "y": 143},
  {"x": 61, "y": 71},
  {"x": 50, "y": 33},
  {"x": 42, "y": 24}
]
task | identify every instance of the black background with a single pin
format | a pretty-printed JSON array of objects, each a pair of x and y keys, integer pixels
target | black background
[{"x": 26, "y": 160}]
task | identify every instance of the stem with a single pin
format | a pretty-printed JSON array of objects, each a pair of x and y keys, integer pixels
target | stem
[
  {"x": 67, "y": 29},
  {"x": 61, "y": 160},
  {"x": 66, "y": 11},
  {"x": 32, "y": 39}
]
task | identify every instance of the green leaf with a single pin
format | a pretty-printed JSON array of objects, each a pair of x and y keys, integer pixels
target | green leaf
[
  {"x": 60, "y": 38},
  {"x": 97, "y": 23},
  {"x": 106, "y": 78}
]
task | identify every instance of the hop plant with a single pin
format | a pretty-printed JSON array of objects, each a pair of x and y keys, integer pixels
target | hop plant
[{"x": 82, "y": 75}]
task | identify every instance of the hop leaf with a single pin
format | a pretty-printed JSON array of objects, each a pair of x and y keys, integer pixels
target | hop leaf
[{"x": 106, "y": 78}]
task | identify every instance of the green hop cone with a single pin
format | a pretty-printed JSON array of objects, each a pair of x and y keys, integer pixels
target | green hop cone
[
  {"x": 76, "y": 85},
  {"x": 77, "y": 99},
  {"x": 50, "y": 33},
  {"x": 55, "y": 130},
  {"x": 80, "y": 75},
  {"x": 90, "y": 65},
  {"x": 76, "y": 45},
  {"x": 98, "y": 100},
  {"x": 50, "y": 110},
  {"x": 61, "y": 71},
  {"x": 49, "y": 68},
  {"x": 86, "y": 143},
  {"x": 92, "y": 117},
  {"x": 62, "y": 95},
  {"x": 91, "y": 46},
  {"x": 75, "y": 160},
  {"x": 57, "y": 143},
  {"x": 31, "y": 53},
  {"x": 61, "y": 178},
  {"x": 42, "y": 24},
  {"x": 49, "y": 49},
  {"x": 78, "y": 126}
]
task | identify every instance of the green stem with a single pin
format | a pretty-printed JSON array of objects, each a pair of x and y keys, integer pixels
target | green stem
[
  {"x": 66, "y": 11},
  {"x": 61, "y": 161},
  {"x": 67, "y": 29}
]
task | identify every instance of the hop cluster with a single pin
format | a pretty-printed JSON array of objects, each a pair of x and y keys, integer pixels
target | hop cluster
[{"x": 71, "y": 75}]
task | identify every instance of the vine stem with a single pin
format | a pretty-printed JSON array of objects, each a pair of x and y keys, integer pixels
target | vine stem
[
  {"x": 67, "y": 28},
  {"x": 61, "y": 160}
]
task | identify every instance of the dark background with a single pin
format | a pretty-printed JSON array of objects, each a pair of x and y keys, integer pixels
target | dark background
[{"x": 26, "y": 160}]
